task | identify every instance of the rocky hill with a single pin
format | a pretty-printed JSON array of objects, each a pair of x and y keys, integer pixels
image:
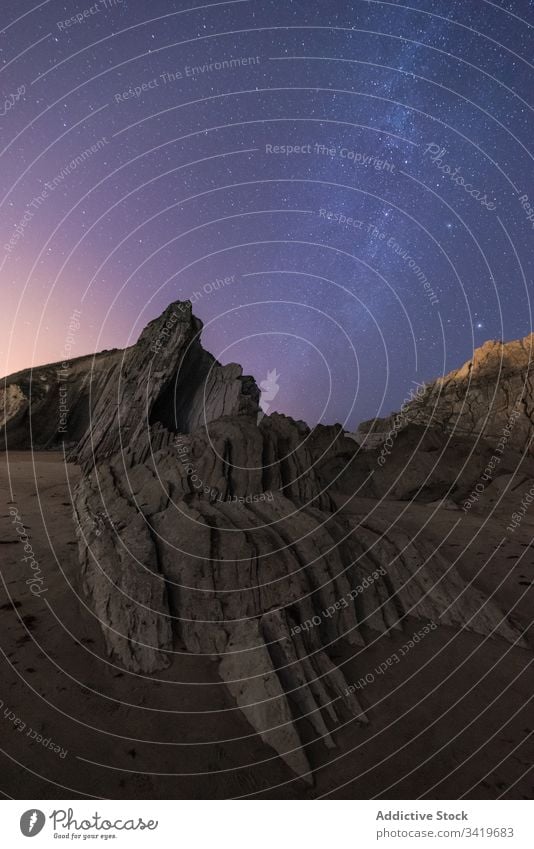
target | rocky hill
[
  {"x": 491, "y": 396},
  {"x": 207, "y": 528}
]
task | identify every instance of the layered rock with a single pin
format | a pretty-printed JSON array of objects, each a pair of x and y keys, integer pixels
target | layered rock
[
  {"x": 489, "y": 395},
  {"x": 166, "y": 378},
  {"x": 205, "y": 526},
  {"x": 48, "y": 406}
]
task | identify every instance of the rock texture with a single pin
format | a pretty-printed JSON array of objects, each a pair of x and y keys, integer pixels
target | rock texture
[
  {"x": 477, "y": 400},
  {"x": 49, "y": 405},
  {"x": 206, "y": 528},
  {"x": 168, "y": 379}
]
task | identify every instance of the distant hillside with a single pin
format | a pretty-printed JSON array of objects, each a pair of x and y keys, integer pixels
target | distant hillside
[{"x": 490, "y": 396}]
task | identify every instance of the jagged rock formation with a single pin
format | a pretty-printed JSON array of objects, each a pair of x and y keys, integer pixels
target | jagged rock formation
[
  {"x": 425, "y": 464},
  {"x": 206, "y": 528},
  {"x": 166, "y": 378}
]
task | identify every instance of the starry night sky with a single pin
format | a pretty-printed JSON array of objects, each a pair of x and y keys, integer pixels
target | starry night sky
[{"x": 148, "y": 151}]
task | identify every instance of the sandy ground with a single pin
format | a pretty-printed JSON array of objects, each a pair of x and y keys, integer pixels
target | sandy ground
[{"x": 454, "y": 718}]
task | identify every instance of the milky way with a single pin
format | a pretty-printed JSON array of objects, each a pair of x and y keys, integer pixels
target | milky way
[{"x": 343, "y": 189}]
